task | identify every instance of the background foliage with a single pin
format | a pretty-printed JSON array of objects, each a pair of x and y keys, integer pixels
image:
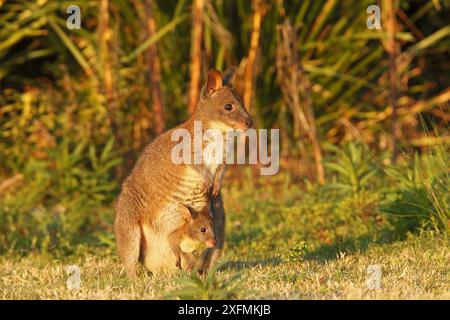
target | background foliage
[{"x": 77, "y": 106}]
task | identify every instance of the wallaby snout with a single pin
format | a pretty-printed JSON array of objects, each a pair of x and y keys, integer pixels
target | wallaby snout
[
  {"x": 211, "y": 243},
  {"x": 240, "y": 118}
]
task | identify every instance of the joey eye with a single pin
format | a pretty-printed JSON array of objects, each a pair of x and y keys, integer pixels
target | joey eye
[
  {"x": 228, "y": 107},
  {"x": 203, "y": 230}
]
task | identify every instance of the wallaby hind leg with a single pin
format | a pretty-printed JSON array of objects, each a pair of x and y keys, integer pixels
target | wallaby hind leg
[
  {"x": 128, "y": 238},
  {"x": 210, "y": 256}
]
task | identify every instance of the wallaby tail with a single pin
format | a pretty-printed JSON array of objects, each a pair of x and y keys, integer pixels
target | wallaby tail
[{"x": 128, "y": 238}]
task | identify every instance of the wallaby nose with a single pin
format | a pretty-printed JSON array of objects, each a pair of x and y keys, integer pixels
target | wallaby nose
[
  {"x": 211, "y": 243},
  {"x": 249, "y": 122}
]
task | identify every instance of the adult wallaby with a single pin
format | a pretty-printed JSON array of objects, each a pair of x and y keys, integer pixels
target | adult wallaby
[{"x": 147, "y": 207}]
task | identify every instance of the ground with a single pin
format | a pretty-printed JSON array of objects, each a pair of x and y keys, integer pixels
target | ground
[
  {"x": 282, "y": 243},
  {"x": 414, "y": 269}
]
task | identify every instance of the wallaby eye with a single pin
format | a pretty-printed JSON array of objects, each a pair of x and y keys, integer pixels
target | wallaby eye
[
  {"x": 203, "y": 230},
  {"x": 228, "y": 107}
]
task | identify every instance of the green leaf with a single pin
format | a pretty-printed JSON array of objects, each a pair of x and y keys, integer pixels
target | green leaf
[
  {"x": 72, "y": 48},
  {"x": 156, "y": 37}
]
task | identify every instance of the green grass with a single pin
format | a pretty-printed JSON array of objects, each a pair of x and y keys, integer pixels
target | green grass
[
  {"x": 283, "y": 242},
  {"x": 414, "y": 269}
]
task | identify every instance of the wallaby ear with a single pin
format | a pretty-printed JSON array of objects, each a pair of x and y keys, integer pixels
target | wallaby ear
[
  {"x": 228, "y": 77},
  {"x": 213, "y": 83},
  {"x": 185, "y": 212}
]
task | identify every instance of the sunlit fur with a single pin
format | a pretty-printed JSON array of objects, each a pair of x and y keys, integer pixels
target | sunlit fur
[{"x": 146, "y": 209}]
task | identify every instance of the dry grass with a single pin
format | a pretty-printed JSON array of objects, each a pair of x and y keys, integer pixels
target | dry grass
[{"x": 418, "y": 268}]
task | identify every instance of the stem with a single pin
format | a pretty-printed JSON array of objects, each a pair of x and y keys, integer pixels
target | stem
[
  {"x": 259, "y": 8},
  {"x": 154, "y": 70},
  {"x": 392, "y": 49},
  {"x": 196, "y": 54}
]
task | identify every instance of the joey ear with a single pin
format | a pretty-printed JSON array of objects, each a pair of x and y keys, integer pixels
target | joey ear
[
  {"x": 185, "y": 212},
  {"x": 228, "y": 77},
  {"x": 213, "y": 83}
]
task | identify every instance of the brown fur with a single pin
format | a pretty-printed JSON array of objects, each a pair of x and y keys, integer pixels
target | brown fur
[
  {"x": 197, "y": 230},
  {"x": 146, "y": 209}
]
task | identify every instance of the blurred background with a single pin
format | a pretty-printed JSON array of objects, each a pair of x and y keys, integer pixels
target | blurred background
[{"x": 363, "y": 113}]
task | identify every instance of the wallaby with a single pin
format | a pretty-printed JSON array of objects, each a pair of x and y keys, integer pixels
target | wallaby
[
  {"x": 197, "y": 233},
  {"x": 146, "y": 209}
]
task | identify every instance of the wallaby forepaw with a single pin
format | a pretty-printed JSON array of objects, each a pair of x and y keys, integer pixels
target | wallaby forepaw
[
  {"x": 190, "y": 267},
  {"x": 215, "y": 190},
  {"x": 132, "y": 275}
]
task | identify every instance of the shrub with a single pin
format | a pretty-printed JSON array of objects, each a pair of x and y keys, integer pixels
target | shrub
[
  {"x": 422, "y": 196},
  {"x": 59, "y": 202}
]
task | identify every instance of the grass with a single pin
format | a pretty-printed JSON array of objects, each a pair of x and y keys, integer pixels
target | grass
[
  {"x": 414, "y": 269},
  {"x": 284, "y": 241}
]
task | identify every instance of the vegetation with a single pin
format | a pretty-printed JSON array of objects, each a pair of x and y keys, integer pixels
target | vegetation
[
  {"x": 281, "y": 243},
  {"x": 363, "y": 116}
]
